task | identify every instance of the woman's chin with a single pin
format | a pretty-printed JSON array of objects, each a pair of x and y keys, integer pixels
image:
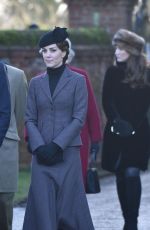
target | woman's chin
[{"x": 49, "y": 65}]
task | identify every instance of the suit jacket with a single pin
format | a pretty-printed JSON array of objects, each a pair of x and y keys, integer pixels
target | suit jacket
[
  {"x": 4, "y": 103},
  {"x": 58, "y": 118},
  {"x": 18, "y": 92},
  {"x": 9, "y": 158}
]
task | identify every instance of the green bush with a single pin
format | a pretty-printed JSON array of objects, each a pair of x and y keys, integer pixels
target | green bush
[
  {"x": 19, "y": 38},
  {"x": 89, "y": 36},
  {"x": 30, "y": 37}
]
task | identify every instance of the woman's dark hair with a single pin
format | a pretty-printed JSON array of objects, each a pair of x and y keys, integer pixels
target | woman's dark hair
[
  {"x": 64, "y": 46},
  {"x": 137, "y": 71}
]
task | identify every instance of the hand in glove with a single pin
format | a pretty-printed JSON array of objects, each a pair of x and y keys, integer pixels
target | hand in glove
[
  {"x": 122, "y": 128},
  {"x": 49, "y": 154},
  {"x": 94, "y": 150}
]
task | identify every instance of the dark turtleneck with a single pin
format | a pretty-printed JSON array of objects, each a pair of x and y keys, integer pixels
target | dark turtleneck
[
  {"x": 122, "y": 65},
  {"x": 54, "y": 76}
]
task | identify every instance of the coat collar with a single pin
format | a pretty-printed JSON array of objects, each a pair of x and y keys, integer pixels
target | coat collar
[{"x": 66, "y": 76}]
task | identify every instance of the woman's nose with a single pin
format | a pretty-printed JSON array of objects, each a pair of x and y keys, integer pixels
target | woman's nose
[
  {"x": 117, "y": 51},
  {"x": 48, "y": 54}
]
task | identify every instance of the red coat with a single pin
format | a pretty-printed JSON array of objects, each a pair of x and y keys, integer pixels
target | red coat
[{"x": 91, "y": 131}]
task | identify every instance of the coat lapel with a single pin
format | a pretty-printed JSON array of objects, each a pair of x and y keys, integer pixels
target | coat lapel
[
  {"x": 45, "y": 85},
  {"x": 62, "y": 82}
]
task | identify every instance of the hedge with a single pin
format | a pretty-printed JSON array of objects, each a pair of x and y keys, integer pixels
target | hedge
[{"x": 30, "y": 37}]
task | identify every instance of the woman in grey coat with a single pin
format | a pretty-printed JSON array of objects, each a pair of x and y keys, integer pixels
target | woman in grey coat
[{"x": 56, "y": 110}]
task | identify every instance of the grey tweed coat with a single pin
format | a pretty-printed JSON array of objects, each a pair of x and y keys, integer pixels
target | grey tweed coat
[{"x": 56, "y": 199}]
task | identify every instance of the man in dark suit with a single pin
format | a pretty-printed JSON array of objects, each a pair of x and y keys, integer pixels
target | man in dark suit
[{"x": 5, "y": 107}]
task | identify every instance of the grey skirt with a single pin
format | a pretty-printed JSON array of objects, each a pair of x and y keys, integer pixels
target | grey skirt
[{"x": 56, "y": 199}]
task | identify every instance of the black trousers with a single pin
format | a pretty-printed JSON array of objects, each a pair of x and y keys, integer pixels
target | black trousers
[
  {"x": 129, "y": 193},
  {"x": 6, "y": 211}
]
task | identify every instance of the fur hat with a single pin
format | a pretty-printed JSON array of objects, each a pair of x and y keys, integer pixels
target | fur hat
[
  {"x": 129, "y": 41},
  {"x": 52, "y": 37}
]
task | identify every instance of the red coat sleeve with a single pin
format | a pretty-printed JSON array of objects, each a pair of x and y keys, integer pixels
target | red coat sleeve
[
  {"x": 25, "y": 134},
  {"x": 93, "y": 120}
]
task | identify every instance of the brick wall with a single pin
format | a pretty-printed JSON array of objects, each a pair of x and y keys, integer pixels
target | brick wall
[
  {"x": 108, "y": 14},
  {"x": 94, "y": 59}
]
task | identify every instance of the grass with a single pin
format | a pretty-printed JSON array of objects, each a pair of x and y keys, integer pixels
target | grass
[{"x": 23, "y": 186}]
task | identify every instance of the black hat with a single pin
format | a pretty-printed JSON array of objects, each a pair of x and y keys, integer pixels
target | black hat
[
  {"x": 130, "y": 41},
  {"x": 52, "y": 37}
]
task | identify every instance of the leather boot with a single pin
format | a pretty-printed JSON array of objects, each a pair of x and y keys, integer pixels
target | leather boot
[
  {"x": 133, "y": 196},
  {"x": 121, "y": 191}
]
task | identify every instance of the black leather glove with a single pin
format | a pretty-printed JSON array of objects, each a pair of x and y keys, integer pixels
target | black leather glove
[
  {"x": 50, "y": 154},
  {"x": 94, "y": 150},
  {"x": 122, "y": 128}
]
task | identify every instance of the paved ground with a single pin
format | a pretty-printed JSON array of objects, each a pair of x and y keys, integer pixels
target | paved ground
[{"x": 105, "y": 208}]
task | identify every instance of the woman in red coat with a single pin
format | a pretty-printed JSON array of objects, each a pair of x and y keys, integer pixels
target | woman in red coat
[{"x": 91, "y": 134}]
